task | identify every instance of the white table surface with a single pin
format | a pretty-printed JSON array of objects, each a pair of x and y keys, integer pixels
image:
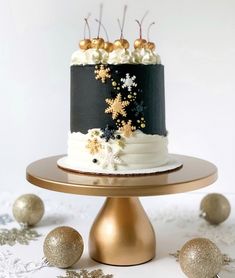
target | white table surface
[{"x": 174, "y": 218}]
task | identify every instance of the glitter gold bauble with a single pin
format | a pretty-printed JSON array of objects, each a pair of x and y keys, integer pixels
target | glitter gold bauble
[
  {"x": 150, "y": 46},
  {"x": 121, "y": 44},
  {"x": 28, "y": 209},
  {"x": 215, "y": 208},
  {"x": 140, "y": 43},
  {"x": 108, "y": 46},
  {"x": 63, "y": 247},
  {"x": 85, "y": 44},
  {"x": 97, "y": 43},
  {"x": 200, "y": 258}
]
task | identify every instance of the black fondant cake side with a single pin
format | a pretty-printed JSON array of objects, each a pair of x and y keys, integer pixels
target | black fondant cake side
[{"x": 88, "y": 97}]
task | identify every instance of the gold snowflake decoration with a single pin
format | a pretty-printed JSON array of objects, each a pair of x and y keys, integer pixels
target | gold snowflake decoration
[
  {"x": 102, "y": 73},
  {"x": 116, "y": 106},
  {"x": 127, "y": 129},
  {"x": 93, "y": 146}
]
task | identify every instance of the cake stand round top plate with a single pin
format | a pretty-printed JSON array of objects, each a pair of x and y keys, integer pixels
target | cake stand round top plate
[{"x": 194, "y": 174}]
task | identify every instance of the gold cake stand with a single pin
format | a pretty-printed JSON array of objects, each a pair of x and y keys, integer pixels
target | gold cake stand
[{"x": 122, "y": 233}]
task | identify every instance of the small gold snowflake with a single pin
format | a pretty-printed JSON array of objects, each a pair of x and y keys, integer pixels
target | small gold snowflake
[
  {"x": 93, "y": 146},
  {"x": 102, "y": 73},
  {"x": 116, "y": 106},
  {"x": 120, "y": 144},
  {"x": 127, "y": 129}
]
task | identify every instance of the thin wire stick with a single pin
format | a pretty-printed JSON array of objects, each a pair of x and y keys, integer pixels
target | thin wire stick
[
  {"x": 102, "y": 25},
  {"x": 87, "y": 26},
  {"x": 121, "y": 26},
  {"x": 141, "y": 22},
  {"x": 150, "y": 25},
  {"x": 100, "y": 19}
]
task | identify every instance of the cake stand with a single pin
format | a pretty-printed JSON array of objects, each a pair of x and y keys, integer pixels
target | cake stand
[{"x": 122, "y": 233}]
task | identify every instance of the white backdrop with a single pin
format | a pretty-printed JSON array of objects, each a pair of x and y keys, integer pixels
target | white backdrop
[{"x": 195, "y": 39}]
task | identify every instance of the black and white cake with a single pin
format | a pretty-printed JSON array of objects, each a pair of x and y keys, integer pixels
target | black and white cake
[{"x": 117, "y": 120}]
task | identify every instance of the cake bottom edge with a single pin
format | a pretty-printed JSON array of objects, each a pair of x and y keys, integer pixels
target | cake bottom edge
[{"x": 170, "y": 165}]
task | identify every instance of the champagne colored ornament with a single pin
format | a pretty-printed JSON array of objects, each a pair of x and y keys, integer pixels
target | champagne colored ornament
[
  {"x": 86, "y": 43},
  {"x": 63, "y": 247},
  {"x": 200, "y": 258},
  {"x": 140, "y": 42},
  {"x": 28, "y": 209},
  {"x": 215, "y": 208},
  {"x": 121, "y": 43},
  {"x": 150, "y": 45}
]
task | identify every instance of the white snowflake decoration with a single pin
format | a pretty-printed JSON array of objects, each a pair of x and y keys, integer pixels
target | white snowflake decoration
[
  {"x": 128, "y": 82},
  {"x": 110, "y": 158},
  {"x": 12, "y": 267}
]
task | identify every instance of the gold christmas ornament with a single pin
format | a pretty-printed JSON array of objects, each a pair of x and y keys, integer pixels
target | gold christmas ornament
[
  {"x": 28, "y": 209},
  {"x": 215, "y": 208},
  {"x": 200, "y": 258},
  {"x": 63, "y": 247}
]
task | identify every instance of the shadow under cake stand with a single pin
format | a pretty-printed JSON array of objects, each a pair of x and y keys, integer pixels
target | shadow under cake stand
[{"x": 122, "y": 233}]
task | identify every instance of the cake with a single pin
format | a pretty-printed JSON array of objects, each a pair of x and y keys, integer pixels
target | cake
[{"x": 117, "y": 112}]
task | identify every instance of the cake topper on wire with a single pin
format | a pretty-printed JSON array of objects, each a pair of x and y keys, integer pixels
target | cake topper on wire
[
  {"x": 140, "y": 42},
  {"x": 150, "y": 45},
  {"x": 122, "y": 43},
  {"x": 98, "y": 42},
  {"x": 108, "y": 46},
  {"x": 86, "y": 42}
]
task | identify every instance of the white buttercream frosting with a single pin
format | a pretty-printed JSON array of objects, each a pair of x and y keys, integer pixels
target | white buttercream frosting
[
  {"x": 119, "y": 56},
  {"x": 140, "y": 151},
  {"x": 89, "y": 57},
  {"x": 145, "y": 56}
]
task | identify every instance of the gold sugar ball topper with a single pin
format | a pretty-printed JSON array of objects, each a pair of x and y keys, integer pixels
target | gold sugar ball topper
[
  {"x": 107, "y": 45},
  {"x": 150, "y": 45},
  {"x": 200, "y": 258},
  {"x": 28, "y": 209},
  {"x": 215, "y": 208},
  {"x": 86, "y": 43},
  {"x": 98, "y": 43},
  {"x": 121, "y": 43},
  {"x": 63, "y": 247},
  {"x": 140, "y": 42}
]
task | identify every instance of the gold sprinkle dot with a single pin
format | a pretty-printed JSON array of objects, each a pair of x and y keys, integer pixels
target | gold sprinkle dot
[
  {"x": 138, "y": 121},
  {"x": 142, "y": 125},
  {"x": 118, "y": 88},
  {"x": 114, "y": 83},
  {"x": 135, "y": 94},
  {"x": 142, "y": 119},
  {"x": 129, "y": 96}
]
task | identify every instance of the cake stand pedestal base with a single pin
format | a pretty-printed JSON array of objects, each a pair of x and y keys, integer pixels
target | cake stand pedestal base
[{"x": 122, "y": 233}]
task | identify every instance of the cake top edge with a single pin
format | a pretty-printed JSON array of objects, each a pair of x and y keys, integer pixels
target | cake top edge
[{"x": 94, "y": 56}]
